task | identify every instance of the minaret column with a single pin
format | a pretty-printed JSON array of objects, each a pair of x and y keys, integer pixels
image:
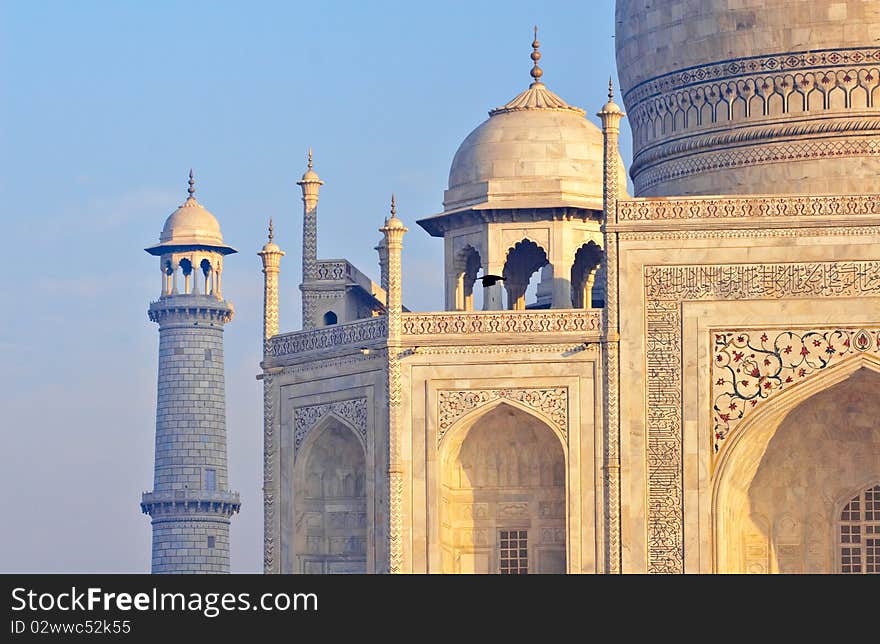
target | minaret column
[
  {"x": 611, "y": 115},
  {"x": 271, "y": 256},
  {"x": 310, "y": 184},
  {"x": 394, "y": 231}
]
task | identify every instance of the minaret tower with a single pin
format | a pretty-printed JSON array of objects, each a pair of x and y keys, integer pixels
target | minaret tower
[
  {"x": 190, "y": 504},
  {"x": 310, "y": 184},
  {"x": 271, "y": 256}
]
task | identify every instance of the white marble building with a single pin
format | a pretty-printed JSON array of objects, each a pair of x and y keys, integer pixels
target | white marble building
[{"x": 692, "y": 388}]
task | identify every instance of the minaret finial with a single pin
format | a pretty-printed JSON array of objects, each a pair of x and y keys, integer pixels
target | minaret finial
[
  {"x": 536, "y": 72},
  {"x": 310, "y": 157},
  {"x": 192, "y": 182},
  {"x": 610, "y": 89},
  {"x": 271, "y": 231},
  {"x": 393, "y": 206}
]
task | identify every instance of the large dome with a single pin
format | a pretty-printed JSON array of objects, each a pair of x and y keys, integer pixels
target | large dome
[{"x": 781, "y": 96}]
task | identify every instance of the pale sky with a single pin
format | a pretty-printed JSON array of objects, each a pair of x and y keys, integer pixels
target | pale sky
[{"x": 104, "y": 107}]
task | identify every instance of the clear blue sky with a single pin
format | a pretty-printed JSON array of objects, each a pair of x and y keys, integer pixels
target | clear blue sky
[{"x": 104, "y": 107}]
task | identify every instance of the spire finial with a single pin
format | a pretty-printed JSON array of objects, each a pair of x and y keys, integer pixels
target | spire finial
[
  {"x": 536, "y": 72},
  {"x": 610, "y": 89},
  {"x": 192, "y": 182},
  {"x": 310, "y": 157},
  {"x": 271, "y": 230},
  {"x": 393, "y": 206}
]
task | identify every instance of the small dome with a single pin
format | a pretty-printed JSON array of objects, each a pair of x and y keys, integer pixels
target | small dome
[
  {"x": 191, "y": 223},
  {"x": 536, "y": 151}
]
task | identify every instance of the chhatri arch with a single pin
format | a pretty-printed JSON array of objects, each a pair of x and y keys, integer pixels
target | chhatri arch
[
  {"x": 503, "y": 492},
  {"x": 736, "y": 540},
  {"x": 331, "y": 497}
]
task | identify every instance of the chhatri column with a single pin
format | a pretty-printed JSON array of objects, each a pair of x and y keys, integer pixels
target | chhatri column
[
  {"x": 271, "y": 256},
  {"x": 310, "y": 184},
  {"x": 611, "y": 115},
  {"x": 394, "y": 231}
]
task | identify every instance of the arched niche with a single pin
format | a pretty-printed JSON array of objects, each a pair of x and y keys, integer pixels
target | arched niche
[
  {"x": 503, "y": 494},
  {"x": 795, "y": 463},
  {"x": 330, "y": 501}
]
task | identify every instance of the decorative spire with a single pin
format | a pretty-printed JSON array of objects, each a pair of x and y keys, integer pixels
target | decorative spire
[
  {"x": 192, "y": 182},
  {"x": 536, "y": 72},
  {"x": 393, "y": 206},
  {"x": 610, "y": 89},
  {"x": 310, "y": 157},
  {"x": 271, "y": 231}
]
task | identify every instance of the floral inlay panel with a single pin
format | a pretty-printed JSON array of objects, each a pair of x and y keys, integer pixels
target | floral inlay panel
[{"x": 749, "y": 367}]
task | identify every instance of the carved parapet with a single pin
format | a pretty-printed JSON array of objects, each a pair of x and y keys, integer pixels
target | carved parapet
[
  {"x": 332, "y": 269},
  {"x": 339, "y": 335}
]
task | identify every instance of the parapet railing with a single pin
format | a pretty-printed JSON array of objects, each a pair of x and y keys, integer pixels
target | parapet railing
[
  {"x": 474, "y": 323},
  {"x": 338, "y": 335}
]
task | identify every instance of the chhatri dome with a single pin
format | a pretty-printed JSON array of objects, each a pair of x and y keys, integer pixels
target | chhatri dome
[
  {"x": 534, "y": 151},
  {"x": 190, "y": 225}
]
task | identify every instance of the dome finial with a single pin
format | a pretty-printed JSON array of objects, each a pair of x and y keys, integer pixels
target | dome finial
[
  {"x": 536, "y": 72},
  {"x": 271, "y": 231},
  {"x": 393, "y": 205},
  {"x": 192, "y": 182},
  {"x": 610, "y": 89},
  {"x": 310, "y": 157}
]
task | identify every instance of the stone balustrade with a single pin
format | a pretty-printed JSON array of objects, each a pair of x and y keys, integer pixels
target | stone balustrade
[{"x": 442, "y": 323}]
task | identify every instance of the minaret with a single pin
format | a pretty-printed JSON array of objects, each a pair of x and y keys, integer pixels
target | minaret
[
  {"x": 271, "y": 256},
  {"x": 393, "y": 232},
  {"x": 190, "y": 504},
  {"x": 310, "y": 184},
  {"x": 611, "y": 115}
]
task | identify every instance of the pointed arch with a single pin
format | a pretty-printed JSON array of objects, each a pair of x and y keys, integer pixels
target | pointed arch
[
  {"x": 330, "y": 491},
  {"x": 502, "y": 493},
  {"x": 456, "y": 433},
  {"x": 742, "y": 474},
  {"x": 521, "y": 261}
]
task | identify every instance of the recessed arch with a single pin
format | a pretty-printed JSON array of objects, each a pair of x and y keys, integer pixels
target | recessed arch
[
  {"x": 785, "y": 440},
  {"x": 330, "y": 499},
  {"x": 503, "y": 494}
]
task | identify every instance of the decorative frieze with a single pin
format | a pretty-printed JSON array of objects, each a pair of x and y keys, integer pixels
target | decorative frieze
[
  {"x": 552, "y": 321},
  {"x": 551, "y": 403},
  {"x": 746, "y": 207}
]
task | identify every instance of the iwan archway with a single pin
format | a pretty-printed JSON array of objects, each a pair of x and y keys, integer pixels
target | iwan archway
[
  {"x": 330, "y": 501},
  {"x": 791, "y": 492},
  {"x": 503, "y": 494}
]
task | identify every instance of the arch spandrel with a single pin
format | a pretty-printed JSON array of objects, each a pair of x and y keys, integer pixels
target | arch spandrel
[{"x": 789, "y": 468}]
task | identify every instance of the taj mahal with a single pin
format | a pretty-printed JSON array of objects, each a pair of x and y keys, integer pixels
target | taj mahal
[{"x": 688, "y": 386}]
